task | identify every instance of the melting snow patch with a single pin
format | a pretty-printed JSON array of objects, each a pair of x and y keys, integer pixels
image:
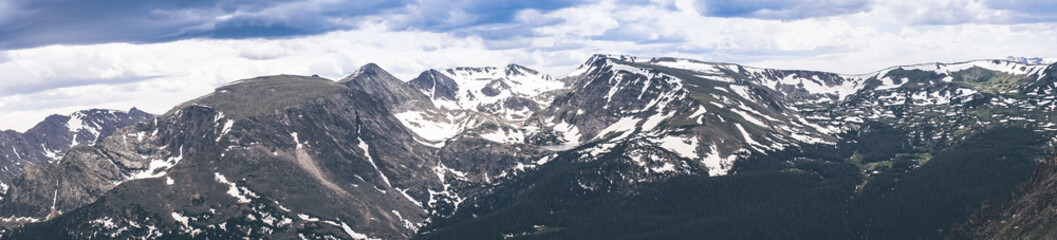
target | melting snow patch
[
  {"x": 655, "y": 120},
  {"x": 667, "y": 167},
  {"x": 698, "y": 112},
  {"x": 366, "y": 152},
  {"x": 571, "y": 135},
  {"x": 306, "y": 217},
  {"x": 742, "y": 91},
  {"x": 504, "y": 136},
  {"x": 157, "y": 167},
  {"x": 409, "y": 198},
  {"x": 717, "y": 78},
  {"x": 105, "y": 222},
  {"x": 717, "y": 166},
  {"x": 888, "y": 83},
  {"x": 180, "y": 218},
  {"x": 826, "y": 130},
  {"x": 54, "y": 155},
  {"x": 683, "y": 146},
  {"x": 540, "y": 162},
  {"x": 242, "y": 195},
  {"x": 294, "y": 135},
  {"x": 430, "y": 130},
  {"x": 355, "y": 235},
  {"x": 75, "y": 123},
  {"x": 441, "y": 170},
  {"x": 808, "y": 138},
  {"x": 407, "y": 224},
  {"x": 748, "y": 117},
  {"x": 16, "y": 152},
  {"x": 623, "y": 125},
  {"x": 748, "y": 138},
  {"x": 227, "y": 127}
]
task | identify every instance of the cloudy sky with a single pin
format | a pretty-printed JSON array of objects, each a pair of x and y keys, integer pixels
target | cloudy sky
[{"x": 59, "y": 56}]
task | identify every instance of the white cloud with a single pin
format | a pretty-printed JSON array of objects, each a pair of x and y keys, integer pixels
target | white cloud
[
  {"x": 887, "y": 34},
  {"x": 943, "y": 12}
]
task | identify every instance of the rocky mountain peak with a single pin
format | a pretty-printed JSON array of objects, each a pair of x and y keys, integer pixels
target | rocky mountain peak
[
  {"x": 435, "y": 85},
  {"x": 514, "y": 69},
  {"x": 371, "y": 67},
  {"x": 393, "y": 92},
  {"x": 368, "y": 72}
]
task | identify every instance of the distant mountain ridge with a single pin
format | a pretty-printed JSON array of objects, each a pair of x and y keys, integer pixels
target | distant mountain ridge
[
  {"x": 50, "y": 139},
  {"x": 1031, "y": 60},
  {"x": 701, "y": 148}
]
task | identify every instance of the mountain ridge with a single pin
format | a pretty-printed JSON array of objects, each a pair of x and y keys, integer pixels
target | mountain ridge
[
  {"x": 621, "y": 126},
  {"x": 48, "y": 140}
]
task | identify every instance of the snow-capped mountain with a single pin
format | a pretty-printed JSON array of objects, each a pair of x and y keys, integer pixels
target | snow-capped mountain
[
  {"x": 513, "y": 92},
  {"x": 50, "y": 139},
  {"x": 698, "y": 148},
  {"x": 483, "y": 101},
  {"x": 1032, "y": 60}
]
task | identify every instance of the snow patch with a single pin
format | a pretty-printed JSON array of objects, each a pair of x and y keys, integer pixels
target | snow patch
[
  {"x": 698, "y": 112},
  {"x": 181, "y": 219},
  {"x": 426, "y": 128},
  {"x": 748, "y": 138},
  {"x": 54, "y": 155},
  {"x": 502, "y": 135},
  {"x": 667, "y": 167},
  {"x": 409, "y": 198},
  {"x": 157, "y": 167},
  {"x": 227, "y": 127},
  {"x": 294, "y": 135},
  {"x": 683, "y": 146},
  {"x": 742, "y": 91},
  {"x": 654, "y": 120},
  {"x": 355, "y": 235},
  {"x": 366, "y": 152},
  {"x": 623, "y": 125},
  {"x": 570, "y": 133},
  {"x": 717, "y": 166},
  {"x": 749, "y": 118},
  {"x": 241, "y": 194}
]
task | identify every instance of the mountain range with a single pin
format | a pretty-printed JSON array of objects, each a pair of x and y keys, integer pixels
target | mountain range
[
  {"x": 50, "y": 139},
  {"x": 623, "y": 147}
]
